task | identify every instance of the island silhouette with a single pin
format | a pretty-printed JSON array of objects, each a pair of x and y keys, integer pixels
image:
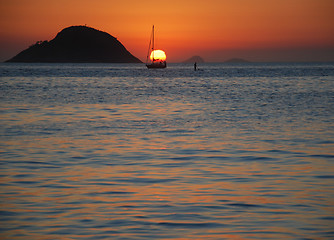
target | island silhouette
[
  {"x": 237, "y": 60},
  {"x": 77, "y": 44},
  {"x": 194, "y": 59}
]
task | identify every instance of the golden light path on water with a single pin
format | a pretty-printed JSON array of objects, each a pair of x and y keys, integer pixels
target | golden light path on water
[
  {"x": 131, "y": 184},
  {"x": 119, "y": 152}
]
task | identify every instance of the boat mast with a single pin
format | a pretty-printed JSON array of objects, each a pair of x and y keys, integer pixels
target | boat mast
[
  {"x": 153, "y": 43},
  {"x": 150, "y": 45}
]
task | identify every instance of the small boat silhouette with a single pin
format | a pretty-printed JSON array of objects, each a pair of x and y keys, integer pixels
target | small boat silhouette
[{"x": 153, "y": 61}]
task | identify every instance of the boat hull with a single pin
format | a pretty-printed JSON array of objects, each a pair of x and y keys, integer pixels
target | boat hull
[{"x": 157, "y": 65}]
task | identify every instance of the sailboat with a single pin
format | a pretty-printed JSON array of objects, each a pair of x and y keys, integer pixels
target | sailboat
[{"x": 155, "y": 58}]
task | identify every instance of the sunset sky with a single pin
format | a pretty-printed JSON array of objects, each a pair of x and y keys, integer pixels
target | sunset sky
[{"x": 258, "y": 30}]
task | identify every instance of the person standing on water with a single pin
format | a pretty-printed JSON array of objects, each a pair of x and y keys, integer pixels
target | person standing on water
[{"x": 195, "y": 66}]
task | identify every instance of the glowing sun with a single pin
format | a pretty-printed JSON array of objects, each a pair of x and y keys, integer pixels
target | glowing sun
[{"x": 158, "y": 55}]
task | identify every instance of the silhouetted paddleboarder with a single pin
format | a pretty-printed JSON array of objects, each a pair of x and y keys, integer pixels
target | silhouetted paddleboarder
[{"x": 195, "y": 66}]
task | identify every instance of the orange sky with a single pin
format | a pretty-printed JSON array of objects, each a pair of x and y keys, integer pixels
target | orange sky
[{"x": 260, "y": 30}]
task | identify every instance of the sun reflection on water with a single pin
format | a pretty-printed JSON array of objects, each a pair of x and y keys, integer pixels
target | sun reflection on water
[{"x": 161, "y": 169}]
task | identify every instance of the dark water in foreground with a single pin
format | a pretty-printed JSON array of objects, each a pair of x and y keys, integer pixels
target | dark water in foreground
[{"x": 122, "y": 152}]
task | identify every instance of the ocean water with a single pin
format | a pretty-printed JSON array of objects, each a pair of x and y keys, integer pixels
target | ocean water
[{"x": 117, "y": 151}]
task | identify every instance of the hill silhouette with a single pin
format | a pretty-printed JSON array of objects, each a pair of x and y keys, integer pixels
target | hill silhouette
[
  {"x": 78, "y": 44},
  {"x": 236, "y": 60},
  {"x": 193, "y": 59}
]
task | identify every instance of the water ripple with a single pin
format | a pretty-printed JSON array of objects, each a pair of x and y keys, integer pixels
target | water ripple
[{"x": 113, "y": 151}]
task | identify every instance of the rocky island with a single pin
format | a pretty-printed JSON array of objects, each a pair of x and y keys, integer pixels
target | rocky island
[
  {"x": 77, "y": 44},
  {"x": 236, "y": 60},
  {"x": 193, "y": 59}
]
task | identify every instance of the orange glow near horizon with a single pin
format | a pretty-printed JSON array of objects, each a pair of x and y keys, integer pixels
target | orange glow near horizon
[
  {"x": 158, "y": 55},
  {"x": 183, "y": 28}
]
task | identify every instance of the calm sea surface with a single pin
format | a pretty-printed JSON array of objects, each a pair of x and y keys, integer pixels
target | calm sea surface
[{"x": 117, "y": 151}]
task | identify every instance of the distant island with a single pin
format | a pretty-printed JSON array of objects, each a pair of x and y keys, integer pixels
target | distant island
[
  {"x": 77, "y": 44},
  {"x": 199, "y": 59},
  {"x": 236, "y": 60},
  {"x": 194, "y": 59}
]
